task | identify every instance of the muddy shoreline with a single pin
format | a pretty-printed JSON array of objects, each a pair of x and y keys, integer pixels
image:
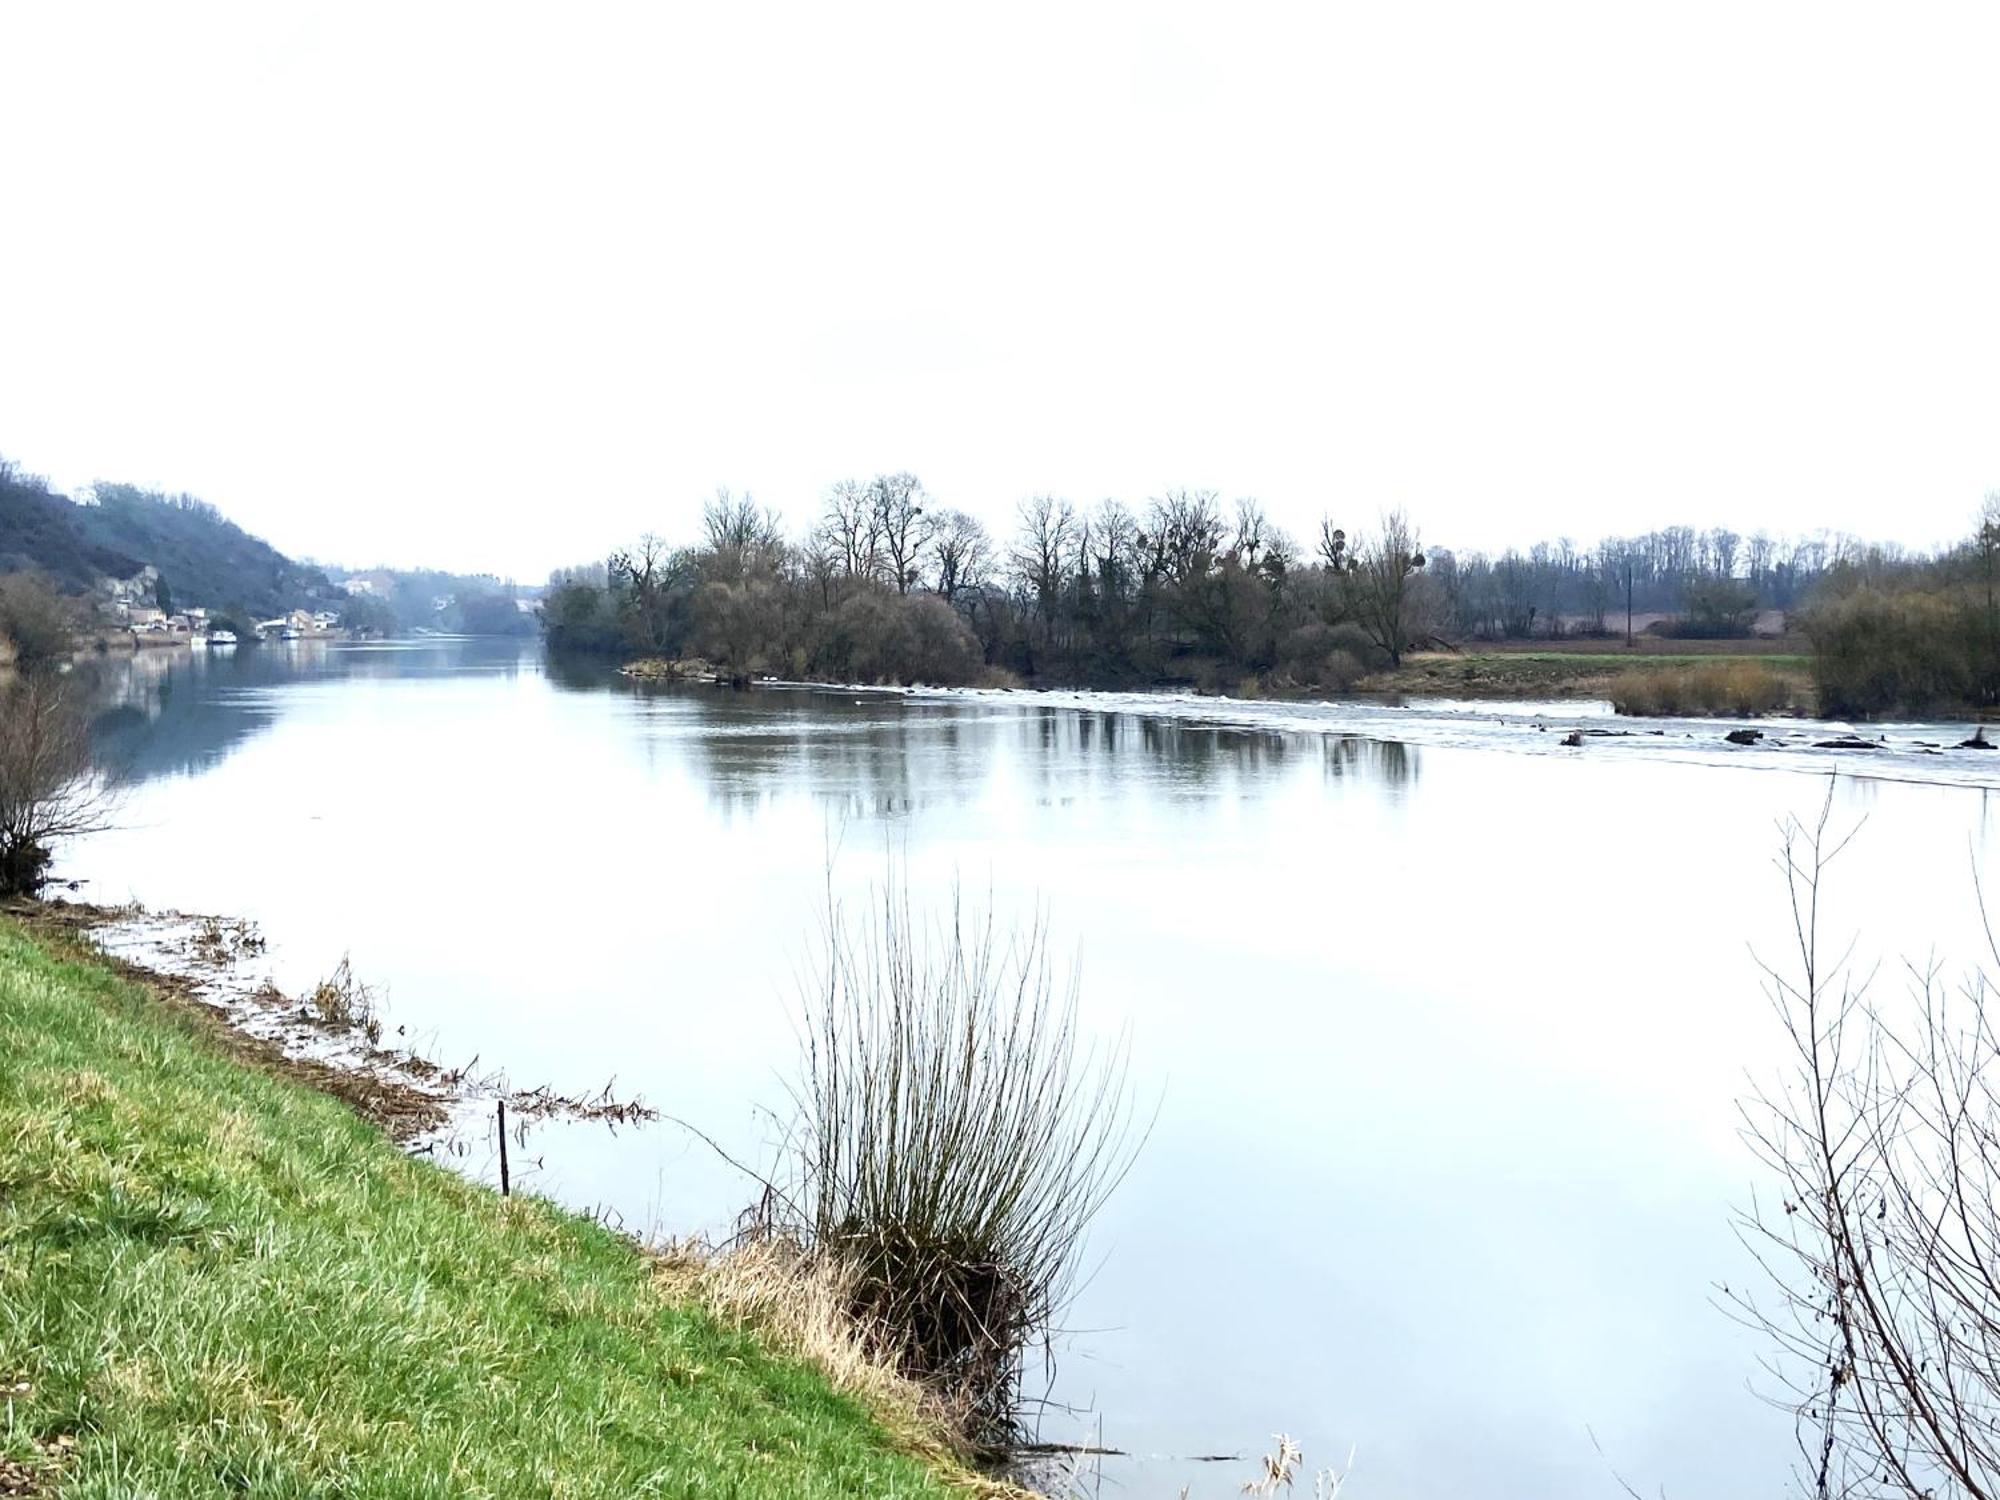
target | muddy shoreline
[{"x": 209, "y": 970}]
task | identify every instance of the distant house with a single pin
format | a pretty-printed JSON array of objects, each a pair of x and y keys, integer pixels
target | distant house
[{"x": 145, "y": 617}]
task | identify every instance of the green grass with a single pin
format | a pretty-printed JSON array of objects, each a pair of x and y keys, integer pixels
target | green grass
[{"x": 217, "y": 1282}]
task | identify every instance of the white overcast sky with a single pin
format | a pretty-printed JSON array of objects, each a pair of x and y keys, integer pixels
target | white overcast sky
[{"x": 499, "y": 287}]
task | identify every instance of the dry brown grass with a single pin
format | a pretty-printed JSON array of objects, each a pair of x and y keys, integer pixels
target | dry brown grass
[
  {"x": 343, "y": 1003},
  {"x": 1723, "y": 688},
  {"x": 798, "y": 1305}
]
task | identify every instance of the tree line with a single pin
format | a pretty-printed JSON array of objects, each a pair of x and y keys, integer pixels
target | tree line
[
  {"x": 1713, "y": 581},
  {"x": 887, "y": 584}
]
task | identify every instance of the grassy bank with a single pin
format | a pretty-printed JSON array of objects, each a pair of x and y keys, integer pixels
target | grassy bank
[
  {"x": 1605, "y": 672},
  {"x": 216, "y": 1281}
]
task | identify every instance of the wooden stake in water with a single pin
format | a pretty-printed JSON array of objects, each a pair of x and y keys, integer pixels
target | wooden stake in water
[{"x": 505, "y": 1188}]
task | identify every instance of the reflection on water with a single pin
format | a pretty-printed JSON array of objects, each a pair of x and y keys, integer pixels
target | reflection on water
[
  {"x": 1446, "y": 1026},
  {"x": 163, "y": 712}
]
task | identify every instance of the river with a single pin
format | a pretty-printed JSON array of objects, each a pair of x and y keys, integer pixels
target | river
[{"x": 1441, "y": 1025}]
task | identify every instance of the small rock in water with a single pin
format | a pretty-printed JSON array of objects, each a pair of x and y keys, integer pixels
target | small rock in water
[
  {"x": 1574, "y": 739},
  {"x": 1744, "y": 736},
  {"x": 1847, "y": 742}
]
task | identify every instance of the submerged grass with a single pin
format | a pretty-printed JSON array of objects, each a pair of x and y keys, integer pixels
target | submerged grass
[{"x": 213, "y": 1281}]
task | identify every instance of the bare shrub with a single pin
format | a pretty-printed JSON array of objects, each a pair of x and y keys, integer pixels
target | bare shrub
[
  {"x": 956, "y": 1137},
  {"x": 1884, "y": 1247},
  {"x": 49, "y": 790},
  {"x": 39, "y": 621}
]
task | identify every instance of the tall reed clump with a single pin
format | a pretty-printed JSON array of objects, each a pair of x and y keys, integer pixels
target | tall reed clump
[
  {"x": 1728, "y": 688},
  {"x": 956, "y": 1137}
]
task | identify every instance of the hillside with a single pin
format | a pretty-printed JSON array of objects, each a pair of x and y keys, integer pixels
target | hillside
[
  {"x": 44, "y": 531},
  {"x": 203, "y": 557}
]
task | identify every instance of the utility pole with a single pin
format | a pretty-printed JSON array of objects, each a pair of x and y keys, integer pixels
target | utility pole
[{"x": 1628, "y": 601}]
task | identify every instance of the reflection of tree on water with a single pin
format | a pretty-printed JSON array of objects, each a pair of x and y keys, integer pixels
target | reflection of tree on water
[
  {"x": 879, "y": 755},
  {"x": 874, "y": 756},
  {"x": 586, "y": 674},
  {"x": 173, "y": 712},
  {"x": 1390, "y": 762}
]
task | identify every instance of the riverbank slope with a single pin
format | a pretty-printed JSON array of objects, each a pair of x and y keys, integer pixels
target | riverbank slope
[{"x": 213, "y": 1279}]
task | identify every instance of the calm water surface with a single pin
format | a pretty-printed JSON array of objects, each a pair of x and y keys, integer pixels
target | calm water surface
[{"x": 1445, "y": 1026}]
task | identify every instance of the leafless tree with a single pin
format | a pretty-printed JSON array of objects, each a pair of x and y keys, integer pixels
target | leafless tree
[
  {"x": 1045, "y": 547},
  {"x": 960, "y": 550},
  {"x": 1253, "y": 531},
  {"x": 743, "y": 540},
  {"x": 1986, "y": 554},
  {"x": 1884, "y": 1245},
  {"x": 1114, "y": 543},
  {"x": 850, "y": 528},
  {"x": 1380, "y": 591},
  {"x": 49, "y": 790},
  {"x": 734, "y": 523},
  {"x": 897, "y": 501},
  {"x": 822, "y": 564},
  {"x": 1185, "y": 534},
  {"x": 653, "y": 574}
]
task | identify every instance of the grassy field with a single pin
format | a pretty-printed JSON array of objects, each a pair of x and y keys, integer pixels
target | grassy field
[{"x": 214, "y": 1281}]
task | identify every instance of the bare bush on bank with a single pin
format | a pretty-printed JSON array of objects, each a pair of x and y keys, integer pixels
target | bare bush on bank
[
  {"x": 956, "y": 1137},
  {"x": 37, "y": 623},
  {"x": 1884, "y": 1244},
  {"x": 49, "y": 788}
]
